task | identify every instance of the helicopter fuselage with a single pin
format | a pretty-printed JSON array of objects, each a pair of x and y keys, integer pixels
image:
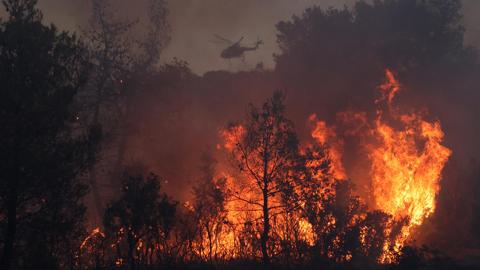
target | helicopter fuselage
[{"x": 236, "y": 51}]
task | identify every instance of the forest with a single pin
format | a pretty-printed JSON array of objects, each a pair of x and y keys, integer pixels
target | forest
[{"x": 358, "y": 150}]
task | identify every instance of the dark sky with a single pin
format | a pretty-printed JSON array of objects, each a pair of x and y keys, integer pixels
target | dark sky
[{"x": 195, "y": 21}]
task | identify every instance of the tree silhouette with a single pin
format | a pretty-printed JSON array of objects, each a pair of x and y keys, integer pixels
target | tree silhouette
[
  {"x": 43, "y": 153},
  {"x": 417, "y": 39},
  {"x": 401, "y": 34},
  {"x": 118, "y": 65},
  {"x": 265, "y": 154},
  {"x": 139, "y": 218}
]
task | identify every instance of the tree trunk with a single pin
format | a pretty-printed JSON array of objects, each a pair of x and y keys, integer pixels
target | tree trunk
[
  {"x": 119, "y": 157},
  {"x": 118, "y": 164},
  {"x": 210, "y": 244},
  {"x": 131, "y": 250},
  {"x": 7, "y": 256},
  {"x": 11, "y": 228},
  {"x": 266, "y": 217},
  {"x": 266, "y": 227},
  {"x": 92, "y": 173}
]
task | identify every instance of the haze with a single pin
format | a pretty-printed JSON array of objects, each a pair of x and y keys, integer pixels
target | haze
[{"x": 194, "y": 22}]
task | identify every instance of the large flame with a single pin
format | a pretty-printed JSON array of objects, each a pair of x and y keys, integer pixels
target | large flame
[
  {"x": 406, "y": 164},
  {"x": 406, "y": 159}
]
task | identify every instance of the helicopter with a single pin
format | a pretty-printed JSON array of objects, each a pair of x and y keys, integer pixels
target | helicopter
[{"x": 235, "y": 49}]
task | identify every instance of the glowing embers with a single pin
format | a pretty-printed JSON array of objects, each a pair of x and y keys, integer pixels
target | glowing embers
[{"x": 94, "y": 233}]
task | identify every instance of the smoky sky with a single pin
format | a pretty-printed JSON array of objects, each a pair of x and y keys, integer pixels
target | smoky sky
[{"x": 194, "y": 22}]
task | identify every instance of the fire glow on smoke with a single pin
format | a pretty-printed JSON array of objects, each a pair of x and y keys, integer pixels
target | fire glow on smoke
[
  {"x": 406, "y": 160},
  {"x": 405, "y": 156}
]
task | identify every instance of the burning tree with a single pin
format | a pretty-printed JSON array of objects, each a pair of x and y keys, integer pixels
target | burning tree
[
  {"x": 265, "y": 149},
  {"x": 209, "y": 208}
]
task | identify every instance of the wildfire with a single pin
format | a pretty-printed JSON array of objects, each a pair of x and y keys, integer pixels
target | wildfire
[
  {"x": 406, "y": 160},
  {"x": 327, "y": 137},
  {"x": 244, "y": 211},
  {"x": 231, "y": 135},
  {"x": 406, "y": 164}
]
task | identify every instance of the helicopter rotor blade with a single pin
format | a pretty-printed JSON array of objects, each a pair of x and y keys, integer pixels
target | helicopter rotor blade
[
  {"x": 220, "y": 42},
  {"x": 220, "y": 38}
]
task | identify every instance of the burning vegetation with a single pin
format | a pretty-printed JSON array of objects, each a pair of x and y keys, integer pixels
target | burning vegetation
[
  {"x": 354, "y": 166},
  {"x": 405, "y": 168},
  {"x": 277, "y": 198}
]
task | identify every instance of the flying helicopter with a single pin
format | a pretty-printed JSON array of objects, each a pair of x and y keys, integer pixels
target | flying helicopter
[{"x": 236, "y": 49}]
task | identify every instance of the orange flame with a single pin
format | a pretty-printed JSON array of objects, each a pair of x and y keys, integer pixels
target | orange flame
[
  {"x": 406, "y": 161},
  {"x": 406, "y": 165},
  {"x": 327, "y": 137},
  {"x": 230, "y": 136}
]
